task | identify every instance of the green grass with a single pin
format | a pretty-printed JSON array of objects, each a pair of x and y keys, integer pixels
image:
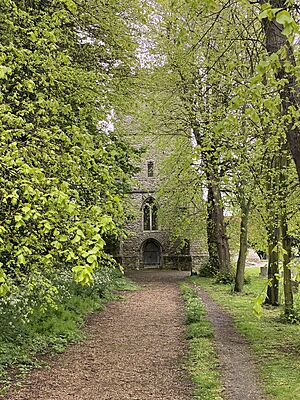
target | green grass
[
  {"x": 22, "y": 345},
  {"x": 202, "y": 362},
  {"x": 275, "y": 345},
  {"x": 125, "y": 284}
]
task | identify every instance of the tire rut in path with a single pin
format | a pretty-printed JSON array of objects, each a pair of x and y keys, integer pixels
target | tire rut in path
[
  {"x": 134, "y": 350},
  {"x": 238, "y": 370}
]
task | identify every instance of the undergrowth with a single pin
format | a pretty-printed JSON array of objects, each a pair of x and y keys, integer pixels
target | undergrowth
[
  {"x": 202, "y": 361},
  {"x": 24, "y": 341}
]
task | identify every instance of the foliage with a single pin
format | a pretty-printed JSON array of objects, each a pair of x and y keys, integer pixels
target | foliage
[
  {"x": 202, "y": 360},
  {"x": 207, "y": 270},
  {"x": 291, "y": 317},
  {"x": 182, "y": 211},
  {"x": 224, "y": 278},
  {"x": 226, "y": 110},
  {"x": 63, "y": 171}
]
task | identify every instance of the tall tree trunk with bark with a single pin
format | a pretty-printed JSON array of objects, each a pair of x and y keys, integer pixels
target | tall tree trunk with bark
[
  {"x": 212, "y": 242},
  {"x": 241, "y": 263},
  {"x": 218, "y": 245},
  {"x": 217, "y": 240},
  {"x": 273, "y": 267},
  {"x": 289, "y": 88},
  {"x": 287, "y": 273},
  {"x": 285, "y": 238}
]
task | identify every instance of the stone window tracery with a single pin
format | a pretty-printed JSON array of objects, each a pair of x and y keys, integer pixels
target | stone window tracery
[{"x": 150, "y": 215}]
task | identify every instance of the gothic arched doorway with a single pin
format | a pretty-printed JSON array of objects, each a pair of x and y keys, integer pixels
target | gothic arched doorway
[{"x": 151, "y": 253}]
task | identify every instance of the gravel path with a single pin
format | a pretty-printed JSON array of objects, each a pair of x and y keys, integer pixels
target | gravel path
[
  {"x": 135, "y": 350},
  {"x": 239, "y": 372}
]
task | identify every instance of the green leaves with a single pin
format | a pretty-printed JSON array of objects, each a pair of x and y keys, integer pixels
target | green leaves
[
  {"x": 283, "y": 17},
  {"x": 4, "y": 71},
  {"x": 83, "y": 274},
  {"x": 4, "y": 287},
  {"x": 289, "y": 24},
  {"x": 257, "y": 307},
  {"x": 268, "y": 11},
  {"x": 253, "y": 115},
  {"x": 71, "y": 5},
  {"x": 63, "y": 178},
  {"x": 91, "y": 259}
]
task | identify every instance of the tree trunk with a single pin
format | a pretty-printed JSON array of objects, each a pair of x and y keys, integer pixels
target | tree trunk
[
  {"x": 287, "y": 273},
  {"x": 212, "y": 242},
  {"x": 218, "y": 246},
  {"x": 218, "y": 240},
  {"x": 241, "y": 263},
  {"x": 273, "y": 269},
  {"x": 289, "y": 90}
]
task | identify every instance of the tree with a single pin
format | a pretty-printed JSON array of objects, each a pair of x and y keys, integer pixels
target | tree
[
  {"x": 206, "y": 51},
  {"x": 280, "y": 30},
  {"x": 185, "y": 85},
  {"x": 63, "y": 173}
]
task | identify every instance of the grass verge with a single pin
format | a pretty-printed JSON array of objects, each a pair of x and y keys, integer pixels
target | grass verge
[
  {"x": 202, "y": 361},
  {"x": 23, "y": 345},
  {"x": 275, "y": 345}
]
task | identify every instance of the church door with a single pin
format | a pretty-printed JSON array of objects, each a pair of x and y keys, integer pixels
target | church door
[{"x": 151, "y": 254}]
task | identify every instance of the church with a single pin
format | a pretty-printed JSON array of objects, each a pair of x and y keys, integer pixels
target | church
[{"x": 148, "y": 244}]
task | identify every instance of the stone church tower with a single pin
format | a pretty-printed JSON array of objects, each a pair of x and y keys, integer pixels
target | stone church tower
[{"x": 148, "y": 244}]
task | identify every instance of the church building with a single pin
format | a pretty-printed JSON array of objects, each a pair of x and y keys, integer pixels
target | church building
[{"x": 148, "y": 244}]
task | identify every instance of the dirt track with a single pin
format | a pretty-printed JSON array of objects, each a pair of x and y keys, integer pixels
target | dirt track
[
  {"x": 239, "y": 371},
  {"x": 135, "y": 350}
]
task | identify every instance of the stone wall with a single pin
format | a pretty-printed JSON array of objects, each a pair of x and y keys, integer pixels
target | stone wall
[{"x": 131, "y": 249}]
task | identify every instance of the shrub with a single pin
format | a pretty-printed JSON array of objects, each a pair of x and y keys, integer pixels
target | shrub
[
  {"x": 224, "y": 278},
  {"x": 207, "y": 270}
]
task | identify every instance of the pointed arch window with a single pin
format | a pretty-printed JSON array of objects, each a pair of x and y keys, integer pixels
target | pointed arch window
[{"x": 150, "y": 215}]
